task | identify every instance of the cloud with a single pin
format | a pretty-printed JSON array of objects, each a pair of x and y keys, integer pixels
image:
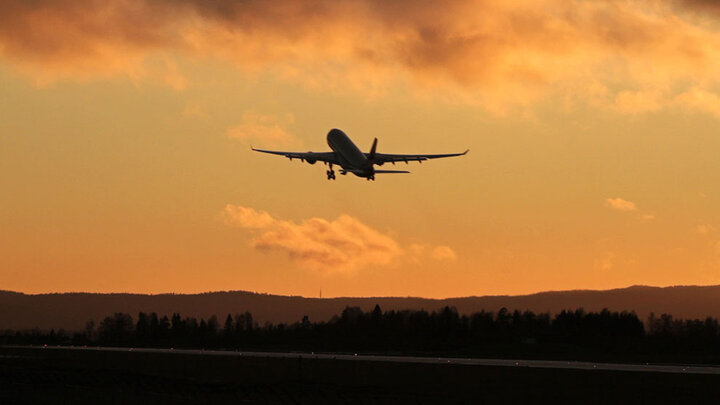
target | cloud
[
  {"x": 421, "y": 252},
  {"x": 496, "y": 54},
  {"x": 637, "y": 102},
  {"x": 341, "y": 245},
  {"x": 606, "y": 262},
  {"x": 248, "y": 217},
  {"x": 620, "y": 204},
  {"x": 267, "y": 129},
  {"x": 172, "y": 77},
  {"x": 194, "y": 110},
  {"x": 443, "y": 253},
  {"x": 700, "y": 7},
  {"x": 699, "y": 100},
  {"x": 704, "y": 229}
]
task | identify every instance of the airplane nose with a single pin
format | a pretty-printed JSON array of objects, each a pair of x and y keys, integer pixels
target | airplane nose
[
  {"x": 335, "y": 131},
  {"x": 335, "y": 134}
]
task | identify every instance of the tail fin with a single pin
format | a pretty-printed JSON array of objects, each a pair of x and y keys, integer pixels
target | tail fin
[
  {"x": 391, "y": 171},
  {"x": 371, "y": 155}
]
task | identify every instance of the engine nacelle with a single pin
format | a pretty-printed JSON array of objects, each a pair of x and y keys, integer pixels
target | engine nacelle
[
  {"x": 380, "y": 163},
  {"x": 311, "y": 161}
]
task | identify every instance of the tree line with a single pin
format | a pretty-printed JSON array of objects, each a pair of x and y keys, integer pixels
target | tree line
[{"x": 569, "y": 334}]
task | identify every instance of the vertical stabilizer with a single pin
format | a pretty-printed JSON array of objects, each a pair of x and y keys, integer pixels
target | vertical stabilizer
[{"x": 371, "y": 156}]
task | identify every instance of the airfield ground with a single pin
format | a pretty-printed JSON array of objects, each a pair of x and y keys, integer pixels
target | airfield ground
[{"x": 60, "y": 375}]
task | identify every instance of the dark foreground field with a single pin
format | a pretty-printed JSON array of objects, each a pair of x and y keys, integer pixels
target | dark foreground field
[{"x": 35, "y": 375}]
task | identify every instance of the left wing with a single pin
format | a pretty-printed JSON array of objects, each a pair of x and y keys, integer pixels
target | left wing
[
  {"x": 381, "y": 158},
  {"x": 310, "y": 157}
]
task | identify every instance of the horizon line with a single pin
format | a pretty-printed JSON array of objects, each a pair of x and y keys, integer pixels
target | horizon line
[{"x": 356, "y": 297}]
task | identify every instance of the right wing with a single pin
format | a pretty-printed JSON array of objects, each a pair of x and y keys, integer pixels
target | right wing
[
  {"x": 310, "y": 157},
  {"x": 381, "y": 158}
]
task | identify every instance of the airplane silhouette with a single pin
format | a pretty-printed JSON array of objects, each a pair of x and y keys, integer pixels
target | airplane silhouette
[{"x": 346, "y": 155}]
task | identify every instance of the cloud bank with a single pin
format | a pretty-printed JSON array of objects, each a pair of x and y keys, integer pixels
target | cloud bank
[{"x": 631, "y": 57}]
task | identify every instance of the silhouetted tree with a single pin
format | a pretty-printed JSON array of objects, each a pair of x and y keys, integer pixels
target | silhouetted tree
[
  {"x": 228, "y": 331},
  {"x": 116, "y": 329},
  {"x": 142, "y": 330}
]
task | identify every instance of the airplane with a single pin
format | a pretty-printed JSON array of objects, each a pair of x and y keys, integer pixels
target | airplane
[{"x": 346, "y": 155}]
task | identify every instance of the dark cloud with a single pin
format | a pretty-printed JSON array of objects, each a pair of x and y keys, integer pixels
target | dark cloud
[{"x": 513, "y": 52}]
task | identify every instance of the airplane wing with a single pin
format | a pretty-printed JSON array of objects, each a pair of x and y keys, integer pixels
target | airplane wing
[
  {"x": 381, "y": 158},
  {"x": 310, "y": 157}
]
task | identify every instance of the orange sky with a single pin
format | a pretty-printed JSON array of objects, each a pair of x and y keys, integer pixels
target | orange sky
[{"x": 125, "y": 130}]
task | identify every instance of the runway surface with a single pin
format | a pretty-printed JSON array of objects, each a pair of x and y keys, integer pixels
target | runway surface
[{"x": 571, "y": 365}]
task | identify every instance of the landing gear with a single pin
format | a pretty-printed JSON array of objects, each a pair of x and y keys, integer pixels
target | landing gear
[
  {"x": 331, "y": 173},
  {"x": 371, "y": 177}
]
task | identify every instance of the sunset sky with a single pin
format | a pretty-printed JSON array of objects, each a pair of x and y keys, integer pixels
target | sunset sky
[{"x": 125, "y": 133}]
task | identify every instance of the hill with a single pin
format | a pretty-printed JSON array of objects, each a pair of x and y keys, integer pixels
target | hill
[{"x": 70, "y": 311}]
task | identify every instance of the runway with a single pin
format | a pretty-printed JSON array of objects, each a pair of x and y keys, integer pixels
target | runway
[{"x": 544, "y": 364}]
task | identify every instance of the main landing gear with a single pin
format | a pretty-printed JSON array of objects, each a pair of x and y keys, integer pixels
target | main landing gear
[{"x": 331, "y": 173}]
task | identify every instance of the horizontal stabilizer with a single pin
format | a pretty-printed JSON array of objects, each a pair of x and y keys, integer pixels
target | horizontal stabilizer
[{"x": 391, "y": 171}]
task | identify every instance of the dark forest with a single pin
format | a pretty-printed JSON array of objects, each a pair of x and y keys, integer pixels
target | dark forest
[{"x": 570, "y": 334}]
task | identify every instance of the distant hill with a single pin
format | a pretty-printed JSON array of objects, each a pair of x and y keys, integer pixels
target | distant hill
[{"x": 70, "y": 311}]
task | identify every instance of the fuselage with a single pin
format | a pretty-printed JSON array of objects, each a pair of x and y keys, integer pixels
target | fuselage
[{"x": 350, "y": 157}]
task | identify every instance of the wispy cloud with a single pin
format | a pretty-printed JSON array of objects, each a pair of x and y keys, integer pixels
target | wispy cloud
[
  {"x": 606, "y": 262},
  {"x": 172, "y": 77},
  {"x": 341, "y": 245},
  {"x": 421, "y": 252},
  {"x": 620, "y": 204},
  {"x": 637, "y": 102},
  {"x": 267, "y": 129},
  {"x": 704, "y": 229},
  {"x": 697, "y": 99},
  {"x": 443, "y": 253},
  {"x": 497, "y": 54},
  {"x": 194, "y": 110}
]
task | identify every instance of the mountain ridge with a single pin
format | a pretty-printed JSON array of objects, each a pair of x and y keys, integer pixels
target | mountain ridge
[{"x": 71, "y": 311}]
